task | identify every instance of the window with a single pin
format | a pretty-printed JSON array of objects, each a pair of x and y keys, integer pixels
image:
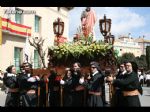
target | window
[
  {"x": 17, "y": 58},
  {"x": 18, "y": 16},
  {"x": 37, "y": 23},
  {"x": 36, "y": 59}
]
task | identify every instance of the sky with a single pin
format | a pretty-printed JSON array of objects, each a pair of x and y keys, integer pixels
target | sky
[{"x": 125, "y": 20}]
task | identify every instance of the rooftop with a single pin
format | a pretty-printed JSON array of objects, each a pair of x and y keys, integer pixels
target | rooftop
[{"x": 141, "y": 39}]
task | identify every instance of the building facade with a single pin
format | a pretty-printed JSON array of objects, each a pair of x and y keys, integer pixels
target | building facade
[
  {"x": 143, "y": 43},
  {"x": 20, "y": 23},
  {"x": 126, "y": 44}
]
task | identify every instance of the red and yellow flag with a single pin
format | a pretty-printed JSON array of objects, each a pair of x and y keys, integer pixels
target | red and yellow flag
[
  {"x": 0, "y": 30},
  {"x": 15, "y": 28}
]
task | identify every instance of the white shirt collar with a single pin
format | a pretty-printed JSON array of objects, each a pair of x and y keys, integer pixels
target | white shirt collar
[
  {"x": 11, "y": 74},
  {"x": 129, "y": 72},
  {"x": 94, "y": 73},
  {"x": 123, "y": 72},
  {"x": 28, "y": 75}
]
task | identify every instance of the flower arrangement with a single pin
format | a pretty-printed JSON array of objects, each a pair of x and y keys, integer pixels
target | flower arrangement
[{"x": 81, "y": 50}]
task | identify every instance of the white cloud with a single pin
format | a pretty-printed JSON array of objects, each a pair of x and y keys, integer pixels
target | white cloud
[{"x": 124, "y": 20}]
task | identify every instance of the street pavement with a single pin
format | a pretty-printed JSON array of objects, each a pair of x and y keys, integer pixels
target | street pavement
[{"x": 145, "y": 98}]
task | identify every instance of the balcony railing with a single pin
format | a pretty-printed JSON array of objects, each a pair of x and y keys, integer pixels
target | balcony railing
[{"x": 16, "y": 28}]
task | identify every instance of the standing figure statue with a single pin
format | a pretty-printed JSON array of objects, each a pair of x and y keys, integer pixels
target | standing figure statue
[{"x": 88, "y": 20}]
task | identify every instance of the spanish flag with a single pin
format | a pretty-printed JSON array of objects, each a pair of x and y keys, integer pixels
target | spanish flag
[
  {"x": 0, "y": 30},
  {"x": 15, "y": 27}
]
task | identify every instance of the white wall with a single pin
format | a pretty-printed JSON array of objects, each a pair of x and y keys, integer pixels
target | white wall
[
  {"x": 48, "y": 16},
  {"x": 7, "y": 49}
]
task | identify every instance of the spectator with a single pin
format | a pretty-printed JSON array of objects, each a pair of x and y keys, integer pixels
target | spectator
[
  {"x": 1, "y": 80},
  {"x": 148, "y": 80},
  {"x": 141, "y": 79}
]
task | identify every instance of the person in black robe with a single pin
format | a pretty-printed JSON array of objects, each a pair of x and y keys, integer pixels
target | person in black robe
[
  {"x": 43, "y": 92},
  {"x": 78, "y": 89},
  {"x": 10, "y": 81},
  {"x": 118, "y": 96},
  {"x": 54, "y": 89},
  {"x": 130, "y": 85},
  {"x": 28, "y": 86},
  {"x": 66, "y": 82},
  {"x": 94, "y": 86}
]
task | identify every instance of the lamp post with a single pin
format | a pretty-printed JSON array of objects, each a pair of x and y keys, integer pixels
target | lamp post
[
  {"x": 105, "y": 27},
  {"x": 58, "y": 27}
]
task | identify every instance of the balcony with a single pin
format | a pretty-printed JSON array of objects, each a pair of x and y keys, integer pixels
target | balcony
[{"x": 14, "y": 28}]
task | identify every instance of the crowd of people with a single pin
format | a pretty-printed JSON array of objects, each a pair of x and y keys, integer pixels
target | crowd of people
[
  {"x": 78, "y": 90},
  {"x": 144, "y": 78}
]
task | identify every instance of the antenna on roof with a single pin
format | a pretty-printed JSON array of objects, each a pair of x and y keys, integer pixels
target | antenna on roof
[
  {"x": 143, "y": 36},
  {"x": 129, "y": 35}
]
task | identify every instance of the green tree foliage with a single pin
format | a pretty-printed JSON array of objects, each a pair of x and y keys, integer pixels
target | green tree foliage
[
  {"x": 126, "y": 57},
  {"x": 148, "y": 56},
  {"x": 141, "y": 61}
]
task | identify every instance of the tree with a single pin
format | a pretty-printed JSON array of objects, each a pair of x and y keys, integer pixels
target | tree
[
  {"x": 141, "y": 61},
  {"x": 148, "y": 56},
  {"x": 126, "y": 57},
  {"x": 37, "y": 44}
]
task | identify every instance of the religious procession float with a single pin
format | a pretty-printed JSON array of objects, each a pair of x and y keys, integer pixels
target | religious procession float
[{"x": 84, "y": 50}]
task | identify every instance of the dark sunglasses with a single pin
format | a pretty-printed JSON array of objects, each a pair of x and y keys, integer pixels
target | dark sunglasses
[
  {"x": 26, "y": 66},
  {"x": 128, "y": 65},
  {"x": 121, "y": 66}
]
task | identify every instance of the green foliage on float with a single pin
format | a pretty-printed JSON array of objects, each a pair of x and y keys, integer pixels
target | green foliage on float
[{"x": 79, "y": 49}]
